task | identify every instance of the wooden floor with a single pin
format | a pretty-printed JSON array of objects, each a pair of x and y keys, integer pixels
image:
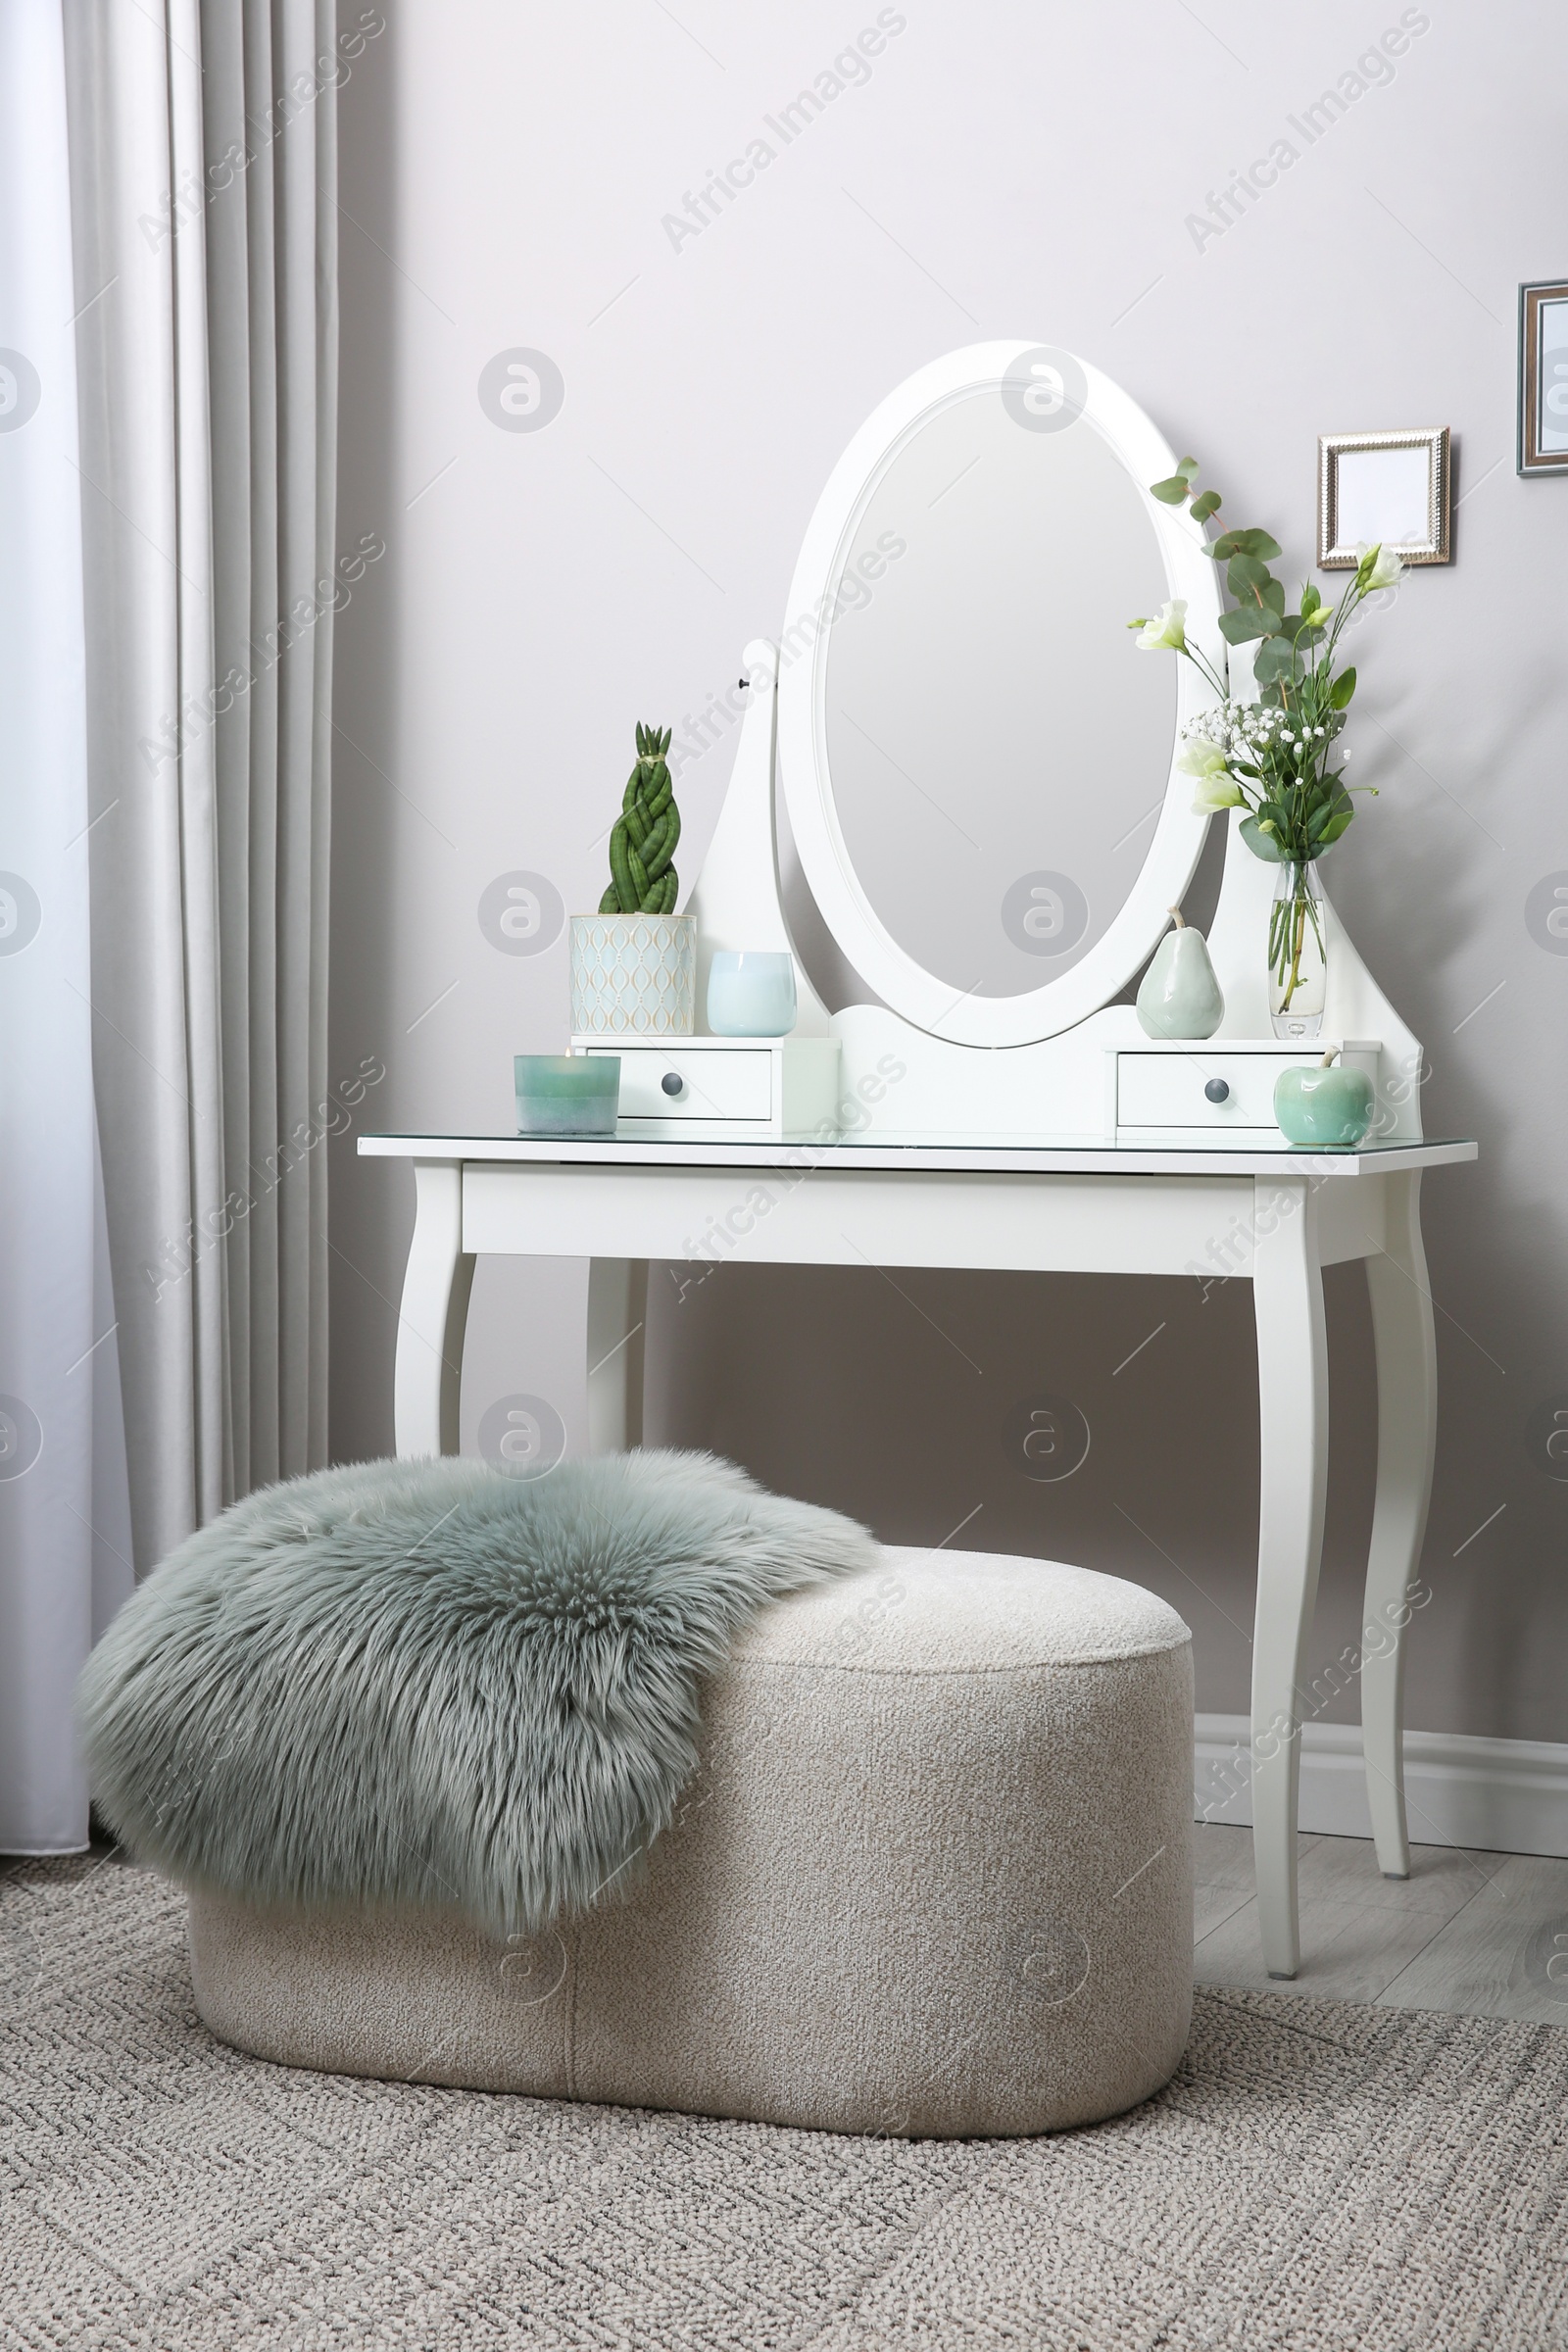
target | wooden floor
[{"x": 1485, "y": 1934}]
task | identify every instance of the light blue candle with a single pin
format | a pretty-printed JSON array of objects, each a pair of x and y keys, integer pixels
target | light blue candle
[
  {"x": 750, "y": 992},
  {"x": 566, "y": 1094}
]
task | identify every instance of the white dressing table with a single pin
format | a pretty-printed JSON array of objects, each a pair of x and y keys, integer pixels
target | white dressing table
[
  {"x": 1277, "y": 1218},
  {"x": 1022, "y": 1122}
]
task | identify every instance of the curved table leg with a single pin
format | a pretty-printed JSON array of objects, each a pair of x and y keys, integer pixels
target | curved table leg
[
  {"x": 617, "y": 1315},
  {"x": 433, "y": 1315},
  {"x": 1294, "y": 1432},
  {"x": 1407, "y": 1422}
]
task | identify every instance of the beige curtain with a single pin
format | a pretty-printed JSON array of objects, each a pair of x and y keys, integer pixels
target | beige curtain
[{"x": 203, "y": 173}]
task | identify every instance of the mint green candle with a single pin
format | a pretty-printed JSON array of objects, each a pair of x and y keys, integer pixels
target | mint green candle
[{"x": 566, "y": 1094}]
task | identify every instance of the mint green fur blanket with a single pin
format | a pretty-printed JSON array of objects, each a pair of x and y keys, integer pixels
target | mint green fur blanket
[{"x": 424, "y": 1682}]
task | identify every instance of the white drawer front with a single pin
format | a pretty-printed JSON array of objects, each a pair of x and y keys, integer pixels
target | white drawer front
[
  {"x": 1166, "y": 1090},
  {"x": 712, "y": 1086}
]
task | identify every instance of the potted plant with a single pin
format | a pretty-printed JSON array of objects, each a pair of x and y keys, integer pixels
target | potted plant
[
  {"x": 1280, "y": 757},
  {"x": 634, "y": 963}
]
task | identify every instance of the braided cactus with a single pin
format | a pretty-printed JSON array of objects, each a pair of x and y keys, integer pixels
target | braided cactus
[{"x": 643, "y": 880}]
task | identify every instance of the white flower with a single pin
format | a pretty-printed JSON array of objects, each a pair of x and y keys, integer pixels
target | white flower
[
  {"x": 1221, "y": 723},
  {"x": 1166, "y": 629},
  {"x": 1376, "y": 566},
  {"x": 1203, "y": 759},
  {"x": 1345, "y": 750},
  {"x": 1218, "y": 790}
]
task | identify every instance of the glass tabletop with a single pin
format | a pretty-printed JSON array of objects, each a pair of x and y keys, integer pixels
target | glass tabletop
[
  {"x": 1207, "y": 1145},
  {"x": 932, "y": 1149}
]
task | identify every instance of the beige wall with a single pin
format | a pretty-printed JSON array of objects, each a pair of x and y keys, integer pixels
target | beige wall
[{"x": 1005, "y": 170}]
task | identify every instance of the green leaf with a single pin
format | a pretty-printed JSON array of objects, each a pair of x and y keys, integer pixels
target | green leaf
[
  {"x": 1245, "y": 543},
  {"x": 1262, "y": 845},
  {"x": 1332, "y": 811},
  {"x": 1186, "y": 468},
  {"x": 1171, "y": 491},
  {"x": 1251, "y": 583},
  {"x": 1241, "y": 627},
  {"x": 1275, "y": 661},
  {"x": 1205, "y": 506},
  {"x": 1343, "y": 688}
]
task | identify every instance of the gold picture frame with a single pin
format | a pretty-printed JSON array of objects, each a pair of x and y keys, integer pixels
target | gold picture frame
[
  {"x": 1543, "y": 407},
  {"x": 1396, "y": 489}
]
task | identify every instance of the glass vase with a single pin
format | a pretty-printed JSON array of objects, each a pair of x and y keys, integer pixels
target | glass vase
[{"x": 1298, "y": 952}]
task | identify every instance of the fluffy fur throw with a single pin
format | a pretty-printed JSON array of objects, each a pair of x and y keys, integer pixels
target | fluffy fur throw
[{"x": 425, "y": 1682}]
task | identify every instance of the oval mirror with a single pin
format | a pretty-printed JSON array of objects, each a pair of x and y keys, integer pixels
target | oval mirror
[{"x": 979, "y": 765}]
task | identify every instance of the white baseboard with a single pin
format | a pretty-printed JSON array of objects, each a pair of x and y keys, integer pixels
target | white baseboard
[{"x": 1502, "y": 1797}]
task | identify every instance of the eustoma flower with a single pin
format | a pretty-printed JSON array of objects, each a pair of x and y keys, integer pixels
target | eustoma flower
[
  {"x": 1217, "y": 788},
  {"x": 1376, "y": 566},
  {"x": 1167, "y": 629}
]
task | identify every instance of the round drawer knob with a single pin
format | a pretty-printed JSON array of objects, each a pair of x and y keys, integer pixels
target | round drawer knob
[
  {"x": 1216, "y": 1089},
  {"x": 674, "y": 1082}
]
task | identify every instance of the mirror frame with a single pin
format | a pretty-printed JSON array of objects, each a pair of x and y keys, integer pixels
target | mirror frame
[{"x": 902, "y": 984}]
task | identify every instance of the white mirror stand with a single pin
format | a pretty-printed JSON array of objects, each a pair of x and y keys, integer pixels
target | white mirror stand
[{"x": 1033, "y": 1064}]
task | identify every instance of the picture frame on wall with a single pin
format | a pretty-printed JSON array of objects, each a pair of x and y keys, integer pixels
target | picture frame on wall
[
  {"x": 1395, "y": 490},
  {"x": 1544, "y": 378}
]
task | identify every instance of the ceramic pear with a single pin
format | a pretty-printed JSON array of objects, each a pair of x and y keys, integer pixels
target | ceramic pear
[{"x": 1180, "y": 996}]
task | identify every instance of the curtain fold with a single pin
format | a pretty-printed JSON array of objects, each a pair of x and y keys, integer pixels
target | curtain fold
[{"x": 203, "y": 183}]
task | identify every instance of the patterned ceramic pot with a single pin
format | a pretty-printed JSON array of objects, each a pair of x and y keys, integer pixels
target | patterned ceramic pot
[{"x": 633, "y": 974}]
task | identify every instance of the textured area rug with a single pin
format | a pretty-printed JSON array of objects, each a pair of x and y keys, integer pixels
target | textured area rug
[{"x": 1317, "y": 2178}]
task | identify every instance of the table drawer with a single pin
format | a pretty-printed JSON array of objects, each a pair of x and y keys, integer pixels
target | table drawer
[
  {"x": 1168, "y": 1090},
  {"x": 723, "y": 1085}
]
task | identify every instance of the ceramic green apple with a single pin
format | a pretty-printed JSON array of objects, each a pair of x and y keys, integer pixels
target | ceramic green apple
[
  {"x": 1180, "y": 997},
  {"x": 1323, "y": 1104}
]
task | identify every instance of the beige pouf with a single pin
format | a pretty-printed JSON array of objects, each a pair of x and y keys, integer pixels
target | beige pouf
[{"x": 933, "y": 1877}]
